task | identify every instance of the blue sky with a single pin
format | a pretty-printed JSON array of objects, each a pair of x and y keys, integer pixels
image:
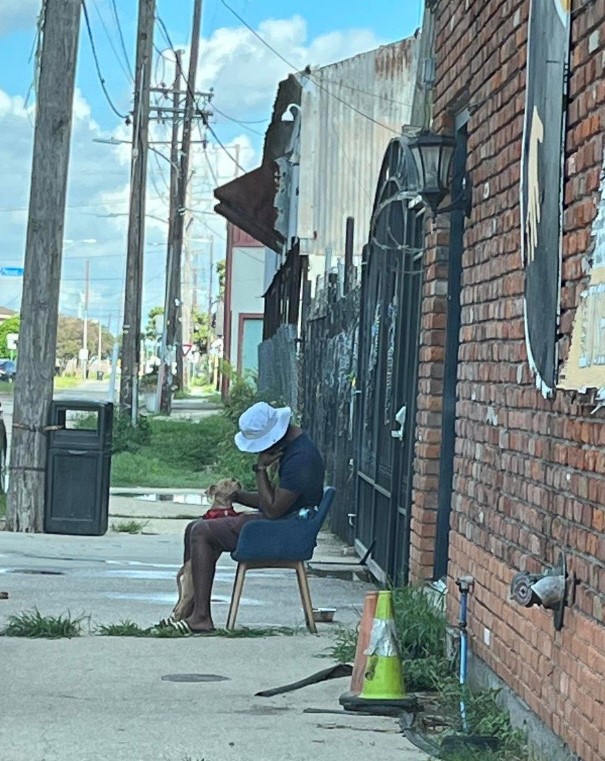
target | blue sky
[{"x": 244, "y": 74}]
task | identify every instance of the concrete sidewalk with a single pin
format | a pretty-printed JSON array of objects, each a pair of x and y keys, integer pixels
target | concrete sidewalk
[
  {"x": 102, "y": 699},
  {"x": 95, "y": 698}
]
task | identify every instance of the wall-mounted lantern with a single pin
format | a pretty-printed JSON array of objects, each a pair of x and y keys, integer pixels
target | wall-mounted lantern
[{"x": 433, "y": 158}]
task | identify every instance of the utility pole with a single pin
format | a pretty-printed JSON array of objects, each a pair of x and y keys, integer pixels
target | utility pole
[
  {"x": 42, "y": 268},
  {"x": 174, "y": 315},
  {"x": 100, "y": 351},
  {"x": 171, "y": 273},
  {"x": 183, "y": 327},
  {"x": 136, "y": 225},
  {"x": 84, "y": 352}
]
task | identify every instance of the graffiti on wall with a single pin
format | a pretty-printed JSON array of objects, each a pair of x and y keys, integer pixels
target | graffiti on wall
[{"x": 542, "y": 183}]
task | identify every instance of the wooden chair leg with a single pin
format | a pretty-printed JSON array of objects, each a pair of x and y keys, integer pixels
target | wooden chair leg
[
  {"x": 305, "y": 596},
  {"x": 238, "y": 588}
]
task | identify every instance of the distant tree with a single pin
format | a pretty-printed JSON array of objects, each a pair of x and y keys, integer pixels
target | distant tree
[
  {"x": 8, "y": 326},
  {"x": 201, "y": 332},
  {"x": 153, "y": 331},
  {"x": 70, "y": 334},
  {"x": 221, "y": 270}
]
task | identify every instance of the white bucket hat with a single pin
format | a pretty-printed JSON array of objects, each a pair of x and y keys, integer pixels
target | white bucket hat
[{"x": 261, "y": 426}]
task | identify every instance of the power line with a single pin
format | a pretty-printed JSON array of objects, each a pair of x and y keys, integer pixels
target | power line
[
  {"x": 307, "y": 71},
  {"x": 237, "y": 121},
  {"x": 225, "y": 150},
  {"x": 117, "y": 18},
  {"x": 240, "y": 121},
  {"x": 97, "y": 65},
  {"x": 211, "y": 168},
  {"x": 111, "y": 42},
  {"x": 199, "y": 111}
]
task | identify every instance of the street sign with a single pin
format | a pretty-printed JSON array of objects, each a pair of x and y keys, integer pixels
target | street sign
[
  {"x": 83, "y": 355},
  {"x": 186, "y": 349},
  {"x": 11, "y": 271},
  {"x": 12, "y": 339}
]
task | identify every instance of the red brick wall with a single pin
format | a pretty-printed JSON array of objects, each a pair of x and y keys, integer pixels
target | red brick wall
[
  {"x": 430, "y": 394},
  {"x": 529, "y": 472}
]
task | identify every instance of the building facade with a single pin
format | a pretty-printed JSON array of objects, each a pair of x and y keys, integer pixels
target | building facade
[
  {"x": 509, "y": 473},
  {"x": 243, "y": 301}
]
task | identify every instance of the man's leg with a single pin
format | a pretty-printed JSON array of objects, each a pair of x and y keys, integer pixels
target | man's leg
[{"x": 208, "y": 540}]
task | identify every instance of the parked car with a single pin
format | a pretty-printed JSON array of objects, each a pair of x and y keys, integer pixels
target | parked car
[{"x": 8, "y": 370}]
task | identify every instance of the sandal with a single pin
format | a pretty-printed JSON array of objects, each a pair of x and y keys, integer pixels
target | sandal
[
  {"x": 182, "y": 627},
  {"x": 167, "y": 622}
]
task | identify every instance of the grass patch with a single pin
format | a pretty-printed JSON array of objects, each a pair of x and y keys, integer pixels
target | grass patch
[
  {"x": 63, "y": 382},
  {"x": 171, "y": 454},
  {"x": 150, "y": 471},
  {"x": 7, "y": 388},
  {"x": 2, "y": 506},
  {"x": 343, "y": 648},
  {"x": 129, "y": 527},
  {"x": 131, "y": 629},
  {"x": 121, "y": 629},
  {"x": 33, "y": 624}
]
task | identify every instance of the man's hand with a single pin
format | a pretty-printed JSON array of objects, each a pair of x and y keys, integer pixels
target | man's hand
[{"x": 265, "y": 459}]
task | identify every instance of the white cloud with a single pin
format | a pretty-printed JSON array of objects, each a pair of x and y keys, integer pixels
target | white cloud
[
  {"x": 245, "y": 75},
  {"x": 244, "y": 72},
  {"x": 98, "y": 197},
  {"x": 18, "y": 14}
]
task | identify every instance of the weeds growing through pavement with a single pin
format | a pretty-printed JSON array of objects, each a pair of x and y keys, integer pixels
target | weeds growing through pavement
[
  {"x": 131, "y": 629},
  {"x": 33, "y": 624},
  {"x": 129, "y": 527}
]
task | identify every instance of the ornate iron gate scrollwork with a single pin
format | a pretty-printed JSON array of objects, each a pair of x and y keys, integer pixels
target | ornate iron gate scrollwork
[{"x": 388, "y": 365}]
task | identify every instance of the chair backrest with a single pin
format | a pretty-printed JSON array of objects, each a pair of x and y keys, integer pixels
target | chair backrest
[{"x": 325, "y": 505}]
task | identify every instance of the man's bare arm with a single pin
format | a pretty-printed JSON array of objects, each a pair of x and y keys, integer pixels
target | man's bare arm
[{"x": 274, "y": 503}]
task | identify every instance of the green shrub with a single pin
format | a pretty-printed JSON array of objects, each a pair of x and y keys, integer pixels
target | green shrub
[
  {"x": 420, "y": 621},
  {"x": 191, "y": 445},
  {"x": 127, "y": 438},
  {"x": 243, "y": 394}
]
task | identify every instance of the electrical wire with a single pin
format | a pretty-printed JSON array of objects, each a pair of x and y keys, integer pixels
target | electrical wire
[
  {"x": 211, "y": 168},
  {"x": 98, "y": 67},
  {"x": 111, "y": 42},
  {"x": 237, "y": 121},
  {"x": 121, "y": 33},
  {"x": 192, "y": 94},
  {"x": 225, "y": 150},
  {"x": 295, "y": 69}
]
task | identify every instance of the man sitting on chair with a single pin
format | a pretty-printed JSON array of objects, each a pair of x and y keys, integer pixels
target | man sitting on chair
[{"x": 269, "y": 433}]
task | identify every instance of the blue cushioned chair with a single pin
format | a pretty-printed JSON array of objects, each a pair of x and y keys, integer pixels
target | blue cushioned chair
[{"x": 284, "y": 543}]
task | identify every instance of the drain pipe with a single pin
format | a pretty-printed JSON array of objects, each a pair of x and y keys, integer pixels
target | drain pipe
[{"x": 464, "y": 584}]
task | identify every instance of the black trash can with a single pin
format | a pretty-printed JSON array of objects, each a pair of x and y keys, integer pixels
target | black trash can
[
  {"x": 78, "y": 468},
  {"x": 100, "y": 375}
]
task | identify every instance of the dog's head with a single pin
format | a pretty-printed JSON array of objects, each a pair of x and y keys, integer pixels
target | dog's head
[{"x": 221, "y": 493}]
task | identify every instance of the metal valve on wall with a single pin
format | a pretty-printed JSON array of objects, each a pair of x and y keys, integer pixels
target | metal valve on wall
[{"x": 549, "y": 590}]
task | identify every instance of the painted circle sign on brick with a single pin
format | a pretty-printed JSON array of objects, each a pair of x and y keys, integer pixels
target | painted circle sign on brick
[{"x": 542, "y": 183}]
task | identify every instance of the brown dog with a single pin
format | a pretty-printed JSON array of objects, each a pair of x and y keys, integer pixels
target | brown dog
[{"x": 222, "y": 506}]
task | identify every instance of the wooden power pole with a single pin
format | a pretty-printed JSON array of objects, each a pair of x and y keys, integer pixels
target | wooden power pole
[
  {"x": 173, "y": 316},
  {"x": 171, "y": 273},
  {"x": 133, "y": 298},
  {"x": 43, "y": 252}
]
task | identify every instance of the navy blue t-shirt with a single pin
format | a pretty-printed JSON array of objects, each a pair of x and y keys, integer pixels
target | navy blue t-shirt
[{"x": 301, "y": 471}]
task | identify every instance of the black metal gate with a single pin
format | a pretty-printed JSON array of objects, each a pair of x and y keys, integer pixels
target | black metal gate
[{"x": 388, "y": 368}]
